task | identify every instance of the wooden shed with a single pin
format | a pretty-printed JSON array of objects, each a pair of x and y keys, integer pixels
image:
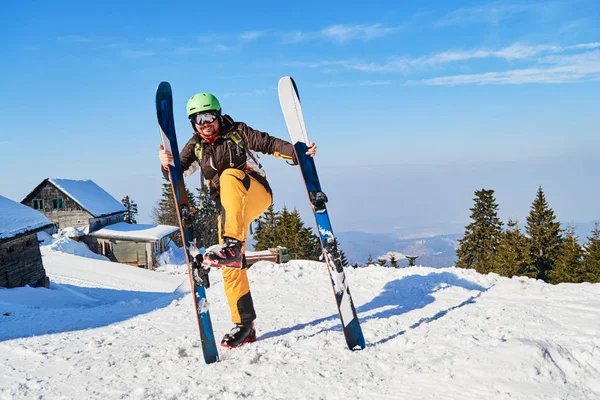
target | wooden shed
[
  {"x": 133, "y": 244},
  {"x": 20, "y": 258}
]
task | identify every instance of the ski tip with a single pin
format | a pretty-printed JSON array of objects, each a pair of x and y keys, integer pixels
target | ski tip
[{"x": 163, "y": 86}]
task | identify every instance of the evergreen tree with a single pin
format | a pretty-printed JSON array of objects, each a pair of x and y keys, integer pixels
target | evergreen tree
[
  {"x": 568, "y": 266},
  {"x": 266, "y": 234},
  {"x": 512, "y": 257},
  {"x": 382, "y": 262},
  {"x": 591, "y": 257},
  {"x": 164, "y": 212},
  {"x": 286, "y": 229},
  {"x": 206, "y": 229},
  {"x": 370, "y": 260},
  {"x": 544, "y": 233},
  {"x": 343, "y": 257},
  {"x": 299, "y": 240},
  {"x": 393, "y": 261},
  {"x": 131, "y": 208},
  {"x": 482, "y": 236}
]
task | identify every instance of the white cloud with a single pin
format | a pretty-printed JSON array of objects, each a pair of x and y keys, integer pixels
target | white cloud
[
  {"x": 136, "y": 53},
  {"x": 407, "y": 65},
  {"x": 252, "y": 35},
  {"x": 222, "y": 48},
  {"x": 84, "y": 39},
  {"x": 296, "y": 37},
  {"x": 565, "y": 69},
  {"x": 258, "y": 92},
  {"x": 492, "y": 13},
  {"x": 340, "y": 33},
  {"x": 346, "y": 33},
  {"x": 351, "y": 84},
  {"x": 187, "y": 49}
]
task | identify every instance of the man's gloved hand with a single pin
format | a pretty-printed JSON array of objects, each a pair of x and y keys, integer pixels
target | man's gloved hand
[{"x": 199, "y": 273}]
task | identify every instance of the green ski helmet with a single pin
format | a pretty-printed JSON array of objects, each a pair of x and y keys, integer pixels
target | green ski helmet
[{"x": 202, "y": 102}]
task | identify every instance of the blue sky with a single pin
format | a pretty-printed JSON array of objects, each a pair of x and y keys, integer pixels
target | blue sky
[{"x": 414, "y": 105}]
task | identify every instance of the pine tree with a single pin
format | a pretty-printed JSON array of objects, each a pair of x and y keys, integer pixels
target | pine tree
[
  {"x": 512, "y": 257},
  {"x": 482, "y": 236},
  {"x": 591, "y": 257},
  {"x": 299, "y": 240},
  {"x": 382, "y": 262},
  {"x": 393, "y": 261},
  {"x": 265, "y": 234},
  {"x": 343, "y": 257},
  {"x": 370, "y": 260},
  {"x": 131, "y": 208},
  {"x": 544, "y": 233},
  {"x": 164, "y": 212},
  {"x": 568, "y": 266},
  {"x": 206, "y": 229}
]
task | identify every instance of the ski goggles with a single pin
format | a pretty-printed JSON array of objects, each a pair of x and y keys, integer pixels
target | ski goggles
[{"x": 205, "y": 117}]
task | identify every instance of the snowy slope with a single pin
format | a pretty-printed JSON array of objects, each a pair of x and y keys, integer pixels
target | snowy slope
[{"x": 126, "y": 333}]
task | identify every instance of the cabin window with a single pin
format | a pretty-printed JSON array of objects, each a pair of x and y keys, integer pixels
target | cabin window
[
  {"x": 38, "y": 204},
  {"x": 57, "y": 204}
]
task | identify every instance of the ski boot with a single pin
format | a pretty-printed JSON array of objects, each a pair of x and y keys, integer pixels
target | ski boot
[
  {"x": 229, "y": 254},
  {"x": 240, "y": 334}
]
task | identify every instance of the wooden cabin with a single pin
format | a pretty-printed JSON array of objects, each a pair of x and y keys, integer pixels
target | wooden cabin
[
  {"x": 98, "y": 221},
  {"x": 20, "y": 258},
  {"x": 75, "y": 203}
]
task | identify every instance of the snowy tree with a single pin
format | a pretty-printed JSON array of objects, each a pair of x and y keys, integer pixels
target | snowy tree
[
  {"x": 545, "y": 238},
  {"x": 131, "y": 208},
  {"x": 482, "y": 236},
  {"x": 393, "y": 261},
  {"x": 370, "y": 259}
]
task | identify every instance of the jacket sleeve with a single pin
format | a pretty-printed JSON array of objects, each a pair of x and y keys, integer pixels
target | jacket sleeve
[
  {"x": 264, "y": 143},
  {"x": 187, "y": 157}
]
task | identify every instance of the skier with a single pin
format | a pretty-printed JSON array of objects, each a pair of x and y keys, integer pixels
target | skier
[{"x": 223, "y": 150}]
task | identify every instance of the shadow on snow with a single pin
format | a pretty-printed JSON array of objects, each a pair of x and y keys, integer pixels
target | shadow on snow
[
  {"x": 84, "y": 308},
  {"x": 399, "y": 297}
]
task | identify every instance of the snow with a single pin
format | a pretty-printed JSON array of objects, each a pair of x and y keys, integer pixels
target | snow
[
  {"x": 123, "y": 230},
  {"x": 16, "y": 218},
  {"x": 388, "y": 256},
  {"x": 110, "y": 331},
  {"x": 89, "y": 195}
]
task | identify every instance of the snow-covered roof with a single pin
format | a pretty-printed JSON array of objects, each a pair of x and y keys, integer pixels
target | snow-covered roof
[
  {"x": 259, "y": 253},
  {"x": 125, "y": 231},
  {"x": 16, "y": 218},
  {"x": 89, "y": 195}
]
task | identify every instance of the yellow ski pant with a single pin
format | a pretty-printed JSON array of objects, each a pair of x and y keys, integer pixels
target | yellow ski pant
[{"x": 243, "y": 199}]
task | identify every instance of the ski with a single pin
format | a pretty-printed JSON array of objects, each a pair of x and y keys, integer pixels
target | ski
[
  {"x": 166, "y": 123},
  {"x": 292, "y": 112}
]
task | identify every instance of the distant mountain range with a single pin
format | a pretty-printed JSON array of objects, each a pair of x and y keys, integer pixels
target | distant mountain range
[{"x": 433, "y": 251}]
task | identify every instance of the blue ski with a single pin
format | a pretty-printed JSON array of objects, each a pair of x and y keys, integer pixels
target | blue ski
[
  {"x": 292, "y": 112},
  {"x": 164, "y": 113}
]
